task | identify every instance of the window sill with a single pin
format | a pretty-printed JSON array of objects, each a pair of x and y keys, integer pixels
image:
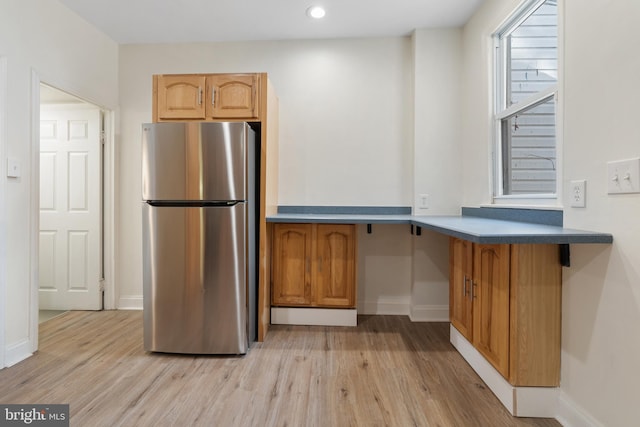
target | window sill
[{"x": 542, "y": 201}]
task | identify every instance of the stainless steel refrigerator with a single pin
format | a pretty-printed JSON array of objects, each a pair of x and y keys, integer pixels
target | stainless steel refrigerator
[{"x": 199, "y": 240}]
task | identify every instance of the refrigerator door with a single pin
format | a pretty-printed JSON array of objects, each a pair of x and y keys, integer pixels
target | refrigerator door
[
  {"x": 194, "y": 161},
  {"x": 194, "y": 279}
]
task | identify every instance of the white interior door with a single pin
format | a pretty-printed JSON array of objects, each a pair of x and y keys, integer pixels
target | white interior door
[{"x": 70, "y": 208}]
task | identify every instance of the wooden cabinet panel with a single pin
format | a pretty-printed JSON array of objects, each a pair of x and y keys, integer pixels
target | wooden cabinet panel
[
  {"x": 291, "y": 268},
  {"x": 180, "y": 96},
  {"x": 491, "y": 304},
  {"x": 460, "y": 275},
  {"x": 313, "y": 265},
  {"x": 536, "y": 315},
  {"x": 335, "y": 267},
  {"x": 232, "y": 96}
]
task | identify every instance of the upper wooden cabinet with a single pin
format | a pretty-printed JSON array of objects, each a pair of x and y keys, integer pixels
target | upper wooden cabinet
[
  {"x": 206, "y": 97},
  {"x": 179, "y": 97},
  {"x": 313, "y": 265},
  {"x": 232, "y": 96},
  {"x": 506, "y": 300}
]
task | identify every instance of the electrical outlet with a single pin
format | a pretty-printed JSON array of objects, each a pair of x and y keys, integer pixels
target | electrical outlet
[{"x": 578, "y": 193}]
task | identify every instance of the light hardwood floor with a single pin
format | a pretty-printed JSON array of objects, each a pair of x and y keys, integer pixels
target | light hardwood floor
[{"x": 387, "y": 371}]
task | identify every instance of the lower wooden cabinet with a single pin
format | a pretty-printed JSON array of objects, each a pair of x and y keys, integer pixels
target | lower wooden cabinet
[
  {"x": 313, "y": 265},
  {"x": 506, "y": 300}
]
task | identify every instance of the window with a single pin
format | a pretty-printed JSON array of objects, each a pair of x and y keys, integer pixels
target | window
[{"x": 525, "y": 101}]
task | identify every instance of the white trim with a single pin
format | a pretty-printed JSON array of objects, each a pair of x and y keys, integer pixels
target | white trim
[
  {"x": 3, "y": 223},
  {"x": 429, "y": 313},
  {"x": 531, "y": 101},
  {"x": 314, "y": 316},
  {"x": 517, "y": 17},
  {"x": 108, "y": 176},
  {"x": 519, "y": 401},
  {"x": 108, "y": 211},
  {"x": 34, "y": 210},
  {"x": 17, "y": 352},
  {"x": 570, "y": 414},
  {"x": 130, "y": 302},
  {"x": 398, "y": 306},
  {"x": 501, "y": 111},
  {"x": 523, "y": 206},
  {"x": 560, "y": 107},
  {"x": 527, "y": 196}
]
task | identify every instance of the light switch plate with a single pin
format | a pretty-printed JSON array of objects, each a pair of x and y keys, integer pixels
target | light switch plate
[
  {"x": 578, "y": 193},
  {"x": 13, "y": 167},
  {"x": 423, "y": 201},
  {"x": 623, "y": 176}
]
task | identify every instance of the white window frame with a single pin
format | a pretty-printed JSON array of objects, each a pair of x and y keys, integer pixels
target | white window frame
[{"x": 500, "y": 112}]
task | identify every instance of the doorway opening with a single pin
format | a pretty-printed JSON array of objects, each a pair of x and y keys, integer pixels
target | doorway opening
[{"x": 71, "y": 200}]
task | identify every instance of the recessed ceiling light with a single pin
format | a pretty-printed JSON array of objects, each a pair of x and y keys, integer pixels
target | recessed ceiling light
[{"x": 316, "y": 12}]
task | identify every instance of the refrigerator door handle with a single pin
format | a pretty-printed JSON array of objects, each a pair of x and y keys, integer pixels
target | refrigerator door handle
[{"x": 184, "y": 203}]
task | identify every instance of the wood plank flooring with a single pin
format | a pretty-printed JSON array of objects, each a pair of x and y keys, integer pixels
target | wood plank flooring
[{"x": 387, "y": 371}]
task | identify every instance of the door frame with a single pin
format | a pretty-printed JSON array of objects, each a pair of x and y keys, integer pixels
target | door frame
[
  {"x": 108, "y": 202},
  {"x": 3, "y": 222}
]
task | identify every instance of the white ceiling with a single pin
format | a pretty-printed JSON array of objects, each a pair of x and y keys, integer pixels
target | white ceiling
[{"x": 174, "y": 21}]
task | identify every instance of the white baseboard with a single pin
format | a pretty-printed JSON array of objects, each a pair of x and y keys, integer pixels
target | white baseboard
[
  {"x": 17, "y": 352},
  {"x": 386, "y": 306},
  {"x": 314, "y": 316},
  {"x": 130, "y": 302},
  {"x": 519, "y": 401},
  {"x": 570, "y": 414},
  {"x": 429, "y": 313}
]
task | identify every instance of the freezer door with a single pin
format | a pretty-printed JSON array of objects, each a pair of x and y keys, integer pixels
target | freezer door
[
  {"x": 194, "y": 161},
  {"x": 194, "y": 279}
]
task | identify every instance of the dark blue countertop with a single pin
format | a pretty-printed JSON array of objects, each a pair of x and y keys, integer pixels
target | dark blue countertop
[{"x": 478, "y": 229}]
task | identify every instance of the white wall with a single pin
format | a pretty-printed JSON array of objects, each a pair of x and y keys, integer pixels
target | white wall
[
  {"x": 384, "y": 269},
  {"x": 601, "y": 289},
  {"x": 437, "y": 172},
  {"x": 601, "y": 305},
  {"x": 43, "y": 37},
  {"x": 345, "y": 134},
  {"x": 437, "y": 55}
]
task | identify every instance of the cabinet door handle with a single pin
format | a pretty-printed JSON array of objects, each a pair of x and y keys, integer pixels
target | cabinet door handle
[
  {"x": 473, "y": 289},
  {"x": 199, "y": 96},
  {"x": 213, "y": 96},
  {"x": 464, "y": 286}
]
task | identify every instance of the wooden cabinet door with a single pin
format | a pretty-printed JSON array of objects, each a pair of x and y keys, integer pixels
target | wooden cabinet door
[
  {"x": 334, "y": 275},
  {"x": 460, "y": 275},
  {"x": 491, "y": 265},
  {"x": 180, "y": 97},
  {"x": 291, "y": 264},
  {"x": 232, "y": 96}
]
